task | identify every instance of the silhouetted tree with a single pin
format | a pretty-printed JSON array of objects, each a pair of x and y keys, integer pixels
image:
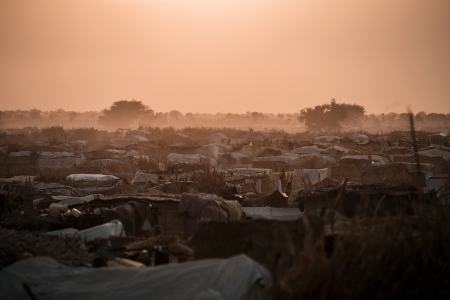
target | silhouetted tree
[
  {"x": 420, "y": 117},
  {"x": 329, "y": 117},
  {"x": 175, "y": 114},
  {"x": 124, "y": 113}
]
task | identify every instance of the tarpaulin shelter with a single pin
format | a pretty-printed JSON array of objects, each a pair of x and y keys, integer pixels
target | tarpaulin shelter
[{"x": 237, "y": 277}]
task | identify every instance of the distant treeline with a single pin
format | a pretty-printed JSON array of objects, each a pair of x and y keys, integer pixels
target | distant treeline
[{"x": 72, "y": 119}]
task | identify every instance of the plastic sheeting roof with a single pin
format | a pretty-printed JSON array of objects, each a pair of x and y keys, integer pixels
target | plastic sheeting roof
[
  {"x": 224, "y": 279},
  {"x": 91, "y": 177},
  {"x": 272, "y": 213},
  {"x": 184, "y": 158},
  {"x": 307, "y": 150}
]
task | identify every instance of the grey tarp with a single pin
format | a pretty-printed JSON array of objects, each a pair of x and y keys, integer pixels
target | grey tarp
[
  {"x": 204, "y": 279},
  {"x": 272, "y": 213}
]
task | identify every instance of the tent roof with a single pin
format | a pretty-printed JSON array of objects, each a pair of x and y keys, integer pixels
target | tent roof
[{"x": 224, "y": 279}]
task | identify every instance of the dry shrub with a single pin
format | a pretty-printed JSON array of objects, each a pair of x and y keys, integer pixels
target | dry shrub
[
  {"x": 397, "y": 258},
  {"x": 209, "y": 182},
  {"x": 17, "y": 245},
  {"x": 274, "y": 244}
]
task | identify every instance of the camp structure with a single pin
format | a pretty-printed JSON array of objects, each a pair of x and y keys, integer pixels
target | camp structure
[
  {"x": 19, "y": 163},
  {"x": 238, "y": 277},
  {"x": 275, "y": 162},
  {"x": 272, "y": 213},
  {"x": 60, "y": 160},
  {"x": 213, "y": 150},
  {"x": 439, "y": 158},
  {"x": 176, "y": 158},
  {"x": 251, "y": 179},
  {"x": 307, "y": 150},
  {"x": 308, "y": 177},
  {"x": 393, "y": 174},
  {"x": 268, "y": 151},
  {"x": 349, "y": 166},
  {"x": 217, "y": 138},
  {"x": 326, "y": 139},
  {"x": 95, "y": 183}
]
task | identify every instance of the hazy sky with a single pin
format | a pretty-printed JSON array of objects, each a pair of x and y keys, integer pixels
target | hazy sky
[{"x": 225, "y": 55}]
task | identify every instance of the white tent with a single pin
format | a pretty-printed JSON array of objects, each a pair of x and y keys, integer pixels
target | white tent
[{"x": 91, "y": 177}]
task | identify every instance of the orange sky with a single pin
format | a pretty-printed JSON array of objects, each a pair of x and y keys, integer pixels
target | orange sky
[{"x": 225, "y": 55}]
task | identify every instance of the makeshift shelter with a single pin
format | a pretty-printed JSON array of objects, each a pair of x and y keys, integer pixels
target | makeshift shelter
[
  {"x": 103, "y": 231},
  {"x": 307, "y": 150},
  {"x": 238, "y": 277},
  {"x": 268, "y": 151},
  {"x": 358, "y": 138},
  {"x": 19, "y": 163},
  {"x": 136, "y": 139},
  {"x": 54, "y": 189},
  {"x": 394, "y": 173},
  {"x": 217, "y": 138},
  {"x": 141, "y": 178},
  {"x": 60, "y": 160},
  {"x": 196, "y": 209},
  {"x": 272, "y": 213},
  {"x": 96, "y": 183},
  {"x": 135, "y": 217},
  {"x": 326, "y": 139},
  {"x": 276, "y": 199},
  {"x": 362, "y": 160},
  {"x": 369, "y": 147},
  {"x": 439, "y": 158},
  {"x": 274, "y": 162},
  {"x": 328, "y": 158},
  {"x": 391, "y": 151},
  {"x": 241, "y": 158},
  {"x": 140, "y": 132},
  {"x": 310, "y": 176},
  {"x": 174, "y": 158},
  {"x": 213, "y": 150},
  {"x": 316, "y": 162}
]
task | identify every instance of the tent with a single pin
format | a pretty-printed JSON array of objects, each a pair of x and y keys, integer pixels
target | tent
[
  {"x": 59, "y": 160},
  {"x": 213, "y": 150},
  {"x": 143, "y": 178},
  {"x": 311, "y": 176},
  {"x": 217, "y": 138},
  {"x": 173, "y": 158},
  {"x": 326, "y": 139},
  {"x": 272, "y": 213},
  {"x": 307, "y": 150},
  {"x": 227, "y": 279}
]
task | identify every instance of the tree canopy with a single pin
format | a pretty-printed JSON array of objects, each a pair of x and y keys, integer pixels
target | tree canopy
[
  {"x": 330, "y": 116},
  {"x": 124, "y": 113}
]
